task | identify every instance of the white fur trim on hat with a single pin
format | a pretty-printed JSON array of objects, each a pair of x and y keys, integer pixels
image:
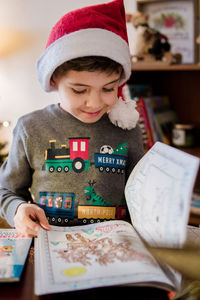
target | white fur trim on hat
[
  {"x": 124, "y": 114},
  {"x": 85, "y": 42}
]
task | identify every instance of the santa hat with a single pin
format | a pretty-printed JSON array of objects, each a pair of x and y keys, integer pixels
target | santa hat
[{"x": 98, "y": 30}]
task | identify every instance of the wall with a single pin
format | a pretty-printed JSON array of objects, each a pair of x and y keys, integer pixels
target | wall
[{"x": 20, "y": 91}]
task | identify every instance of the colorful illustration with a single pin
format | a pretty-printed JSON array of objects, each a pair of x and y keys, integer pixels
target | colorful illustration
[
  {"x": 121, "y": 150},
  {"x": 111, "y": 160},
  {"x": 106, "y": 149},
  {"x": 93, "y": 198},
  {"x": 60, "y": 209},
  {"x": 97, "y": 214},
  {"x": 13, "y": 252},
  {"x": 74, "y": 271},
  {"x": 76, "y": 157},
  {"x": 104, "y": 251},
  {"x": 6, "y": 251},
  {"x": 169, "y": 20}
]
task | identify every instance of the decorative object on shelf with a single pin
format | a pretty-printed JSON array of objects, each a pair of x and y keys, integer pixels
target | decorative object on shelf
[
  {"x": 178, "y": 20},
  {"x": 183, "y": 135},
  {"x": 149, "y": 45}
]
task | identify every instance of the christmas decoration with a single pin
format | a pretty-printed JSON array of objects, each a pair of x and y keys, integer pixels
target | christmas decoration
[{"x": 121, "y": 149}]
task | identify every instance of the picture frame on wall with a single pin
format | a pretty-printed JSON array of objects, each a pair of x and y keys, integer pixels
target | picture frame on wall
[{"x": 178, "y": 20}]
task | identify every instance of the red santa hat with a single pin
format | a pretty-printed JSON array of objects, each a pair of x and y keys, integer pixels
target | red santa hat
[{"x": 98, "y": 30}]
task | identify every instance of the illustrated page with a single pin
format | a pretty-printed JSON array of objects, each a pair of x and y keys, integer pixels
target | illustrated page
[
  {"x": 94, "y": 255},
  {"x": 158, "y": 194},
  {"x": 13, "y": 252}
]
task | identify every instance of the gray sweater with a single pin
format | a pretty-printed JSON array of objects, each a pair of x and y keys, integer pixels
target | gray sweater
[{"x": 75, "y": 171}]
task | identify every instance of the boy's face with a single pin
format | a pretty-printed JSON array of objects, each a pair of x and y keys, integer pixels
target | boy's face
[{"x": 87, "y": 95}]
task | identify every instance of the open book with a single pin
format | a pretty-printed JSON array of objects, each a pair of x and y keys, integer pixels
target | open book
[{"x": 158, "y": 195}]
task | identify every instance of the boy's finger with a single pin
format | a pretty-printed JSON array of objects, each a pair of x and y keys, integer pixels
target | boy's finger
[
  {"x": 27, "y": 231},
  {"x": 31, "y": 224},
  {"x": 43, "y": 220}
]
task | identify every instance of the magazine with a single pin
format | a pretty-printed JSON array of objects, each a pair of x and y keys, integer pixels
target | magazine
[
  {"x": 158, "y": 194},
  {"x": 14, "y": 249}
]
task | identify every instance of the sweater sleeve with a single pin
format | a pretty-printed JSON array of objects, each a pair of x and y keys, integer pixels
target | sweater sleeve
[{"x": 15, "y": 176}]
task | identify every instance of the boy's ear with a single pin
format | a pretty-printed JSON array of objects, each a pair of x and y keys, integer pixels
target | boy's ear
[{"x": 53, "y": 83}]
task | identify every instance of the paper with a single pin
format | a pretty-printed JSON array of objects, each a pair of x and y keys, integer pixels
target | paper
[
  {"x": 158, "y": 195},
  {"x": 88, "y": 256},
  {"x": 13, "y": 252}
]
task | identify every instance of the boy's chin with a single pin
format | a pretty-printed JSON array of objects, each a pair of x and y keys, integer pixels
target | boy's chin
[{"x": 91, "y": 119}]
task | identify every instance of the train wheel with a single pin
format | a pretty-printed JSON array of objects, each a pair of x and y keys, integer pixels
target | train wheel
[
  {"x": 92, "y": 221},
  {"x": 53, "y": 219},
  {"x": 66, "y": 169},
  {"x": 78, "y": 165},
  {"x": 51, "y": 169},
  {"x": 98, "y": 221},
  {"x": 113, "y": 170},
  {"x": 59, "y": 220},
  {"x": 101, "y": 169},
  {"x": 84, "y": 221},
  {"x": 59, "y": 169},
  {"x": 107, "y": 169},
  {"x": 66, "y": 220},
  {"x": 118, "y": 171}
]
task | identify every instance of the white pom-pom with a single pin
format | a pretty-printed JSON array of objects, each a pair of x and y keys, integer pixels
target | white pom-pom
[{"x": 124, "y": 114}]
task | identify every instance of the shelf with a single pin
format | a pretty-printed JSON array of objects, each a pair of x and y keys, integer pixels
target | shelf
[
  {"x": 194, "y": 219},
  {"x": 193, "y": 150},
  {"x": 140, "y": 66}
]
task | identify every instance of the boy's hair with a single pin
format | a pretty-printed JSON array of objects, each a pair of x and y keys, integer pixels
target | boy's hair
[{"x": 90, "y": 64}]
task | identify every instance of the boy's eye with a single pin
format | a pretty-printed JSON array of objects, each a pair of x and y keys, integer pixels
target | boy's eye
[
  {"x": 79, "y": 91},
  {"x": 108, "y": 90}
]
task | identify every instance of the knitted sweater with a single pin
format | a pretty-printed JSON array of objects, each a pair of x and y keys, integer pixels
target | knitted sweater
[{"x": 75, "y": 171}]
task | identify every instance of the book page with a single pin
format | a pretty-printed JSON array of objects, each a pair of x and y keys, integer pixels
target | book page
[
  {"x": 13, "y": 252},
  {"x": 88, "y": 256},
  {"x": 158, "y": 194}
]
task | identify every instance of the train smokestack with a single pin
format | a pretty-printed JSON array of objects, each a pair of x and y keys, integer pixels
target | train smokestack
[{"x": 52, "y": 144}]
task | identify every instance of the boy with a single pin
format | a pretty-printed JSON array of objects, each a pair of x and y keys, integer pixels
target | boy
[{"x": 69, "y": 158}]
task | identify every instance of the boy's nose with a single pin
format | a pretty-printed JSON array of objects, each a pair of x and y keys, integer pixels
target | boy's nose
[{"x": 93, "y": 100}]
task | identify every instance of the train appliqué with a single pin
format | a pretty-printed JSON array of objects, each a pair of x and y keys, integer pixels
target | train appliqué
[
  {"x": 76, "y": 157},
  {"x": 60, "y": 209},
  {"x": 94, "y": 198}
]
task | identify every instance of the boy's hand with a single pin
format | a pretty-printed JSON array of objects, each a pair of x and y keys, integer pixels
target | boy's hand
[{"x": 29, "y": 218}]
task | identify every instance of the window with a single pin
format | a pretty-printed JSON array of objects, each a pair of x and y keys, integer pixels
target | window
[
  {"x": 83, "y": 146},
  {"x": 75, "y": 146},
  {"x": 58, "y": 202},
  {"x": 68, "y": 202}
]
